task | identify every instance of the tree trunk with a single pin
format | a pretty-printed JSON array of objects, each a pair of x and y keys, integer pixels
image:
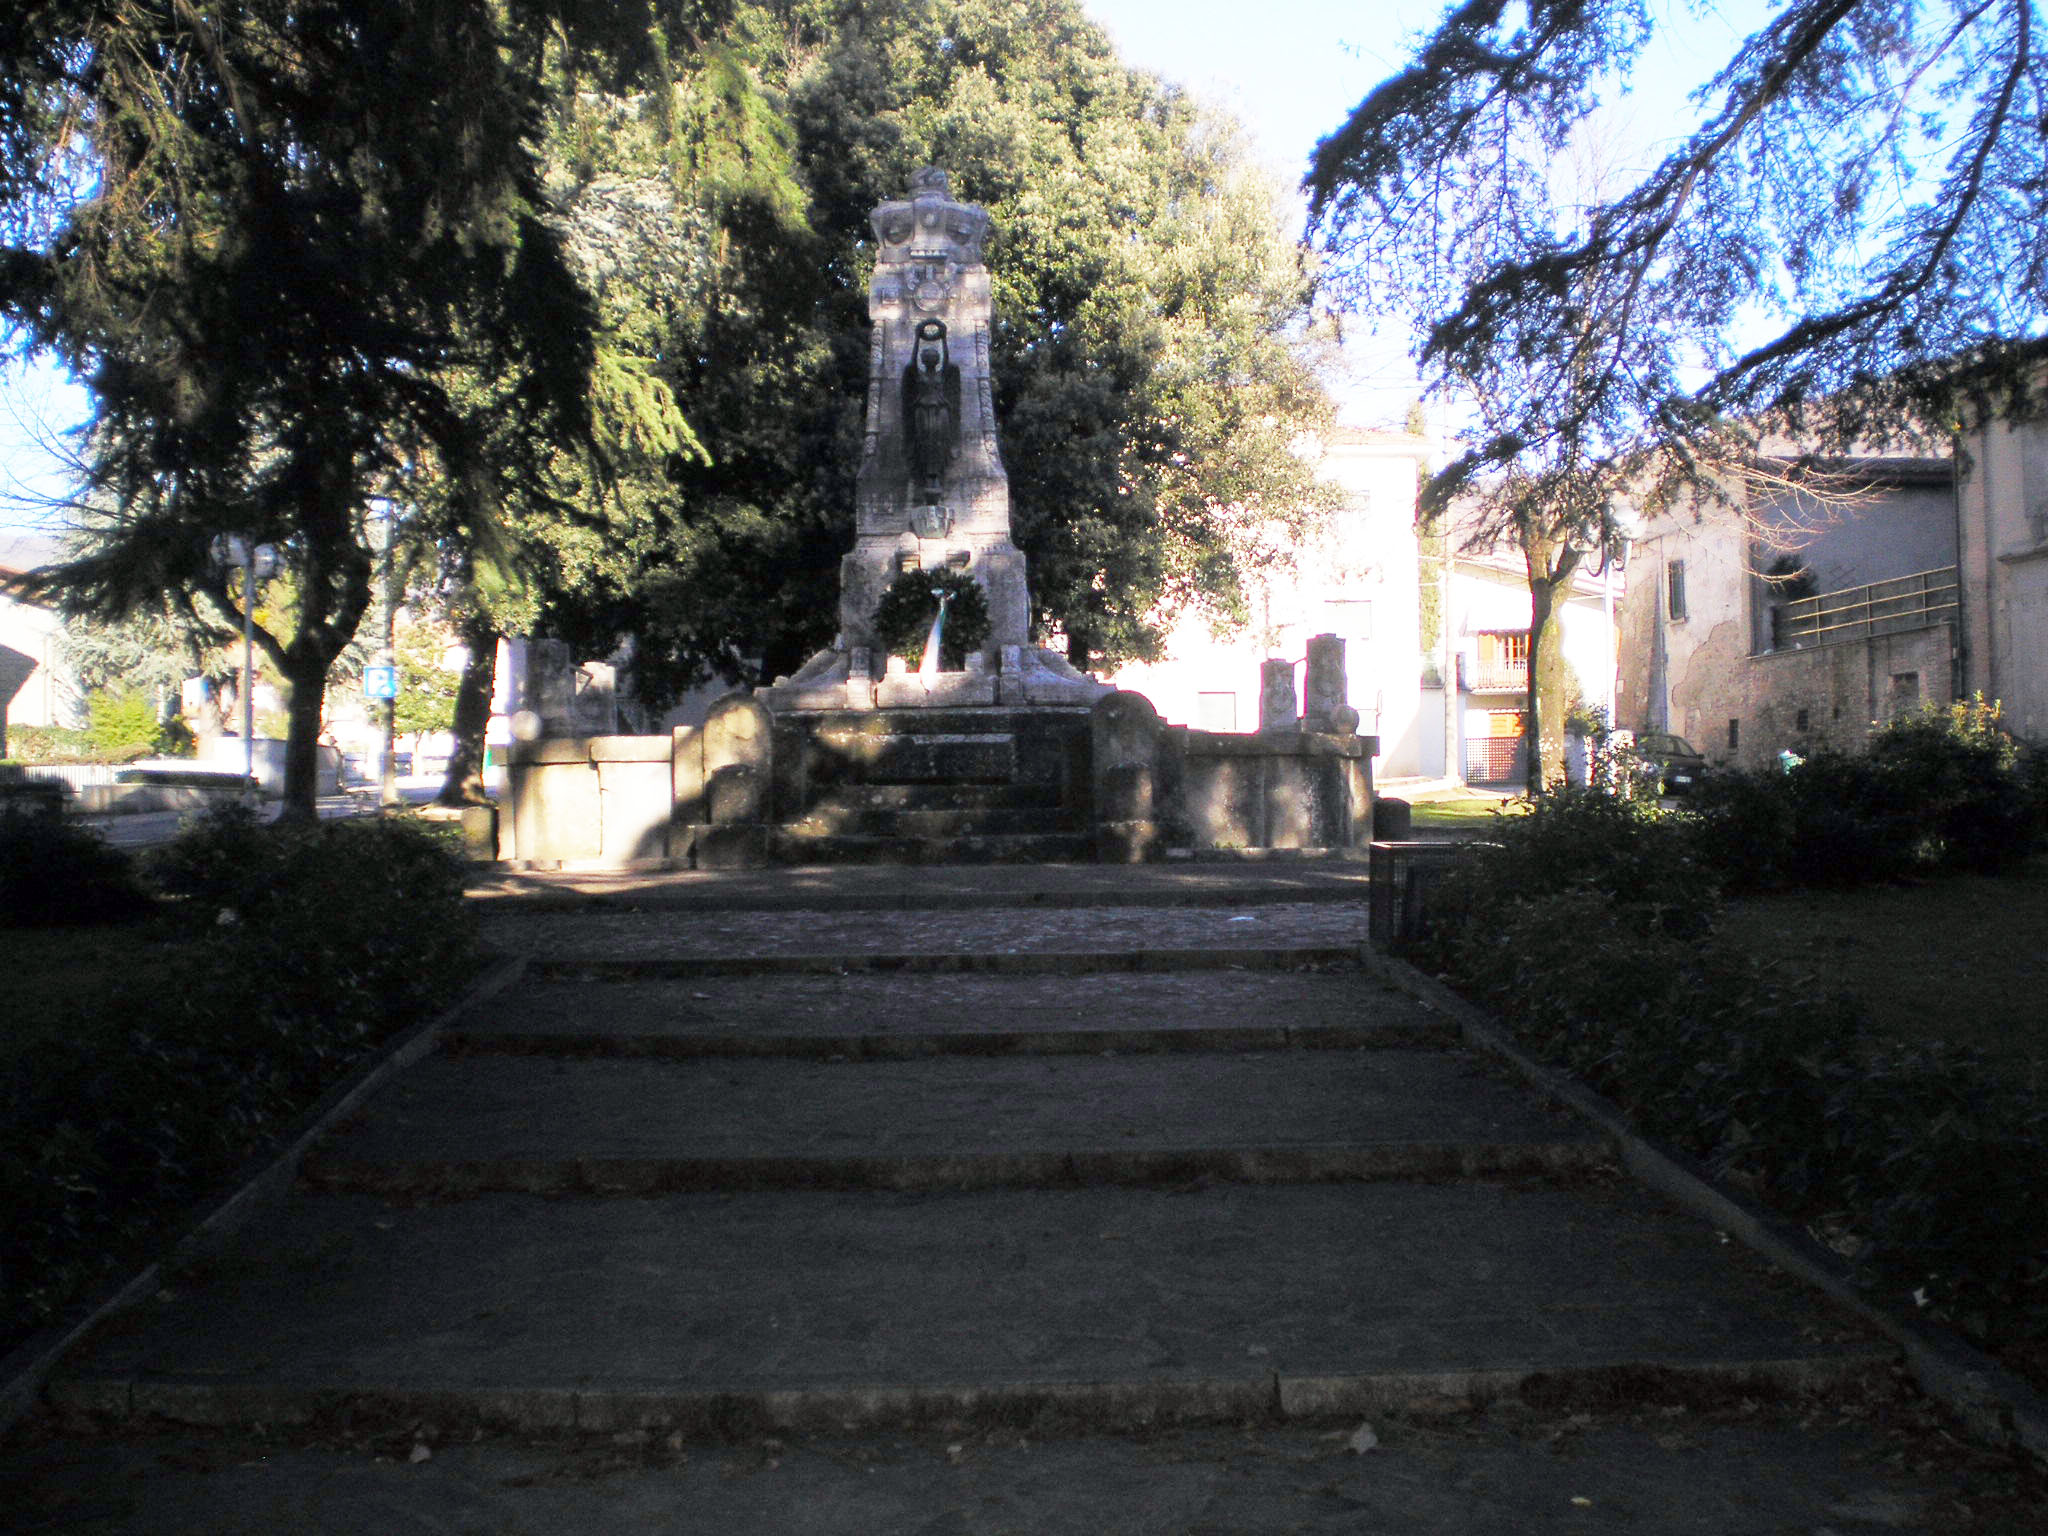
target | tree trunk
[
  {"x": 305, "y": 673},
  {"x": 1543, "y": 739},
  {"x": 464, "y": 784}
]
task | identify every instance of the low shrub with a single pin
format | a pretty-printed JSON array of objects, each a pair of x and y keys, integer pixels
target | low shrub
[
  {"x": 55, "y": 872},
  {"x": 1588, "y": 928},
  {"x": 122, "y": 725},
  {"x": 289, "y": 952},
  {"x": 1575, "y": 840},
  {"x": 1960, "y": 770},
  {"x": 1944, "y": 788}
]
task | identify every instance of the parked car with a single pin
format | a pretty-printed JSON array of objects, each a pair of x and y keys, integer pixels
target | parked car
[{"x": 1676, "y": 767}]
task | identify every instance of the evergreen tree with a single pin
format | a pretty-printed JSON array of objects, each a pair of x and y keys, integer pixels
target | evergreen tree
[
  {"x": 277, "y": 240},
  {"x": 1867, "y": 180}
]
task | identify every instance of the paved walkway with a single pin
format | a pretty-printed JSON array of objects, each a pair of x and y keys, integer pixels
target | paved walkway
[{"x": 1154, "y": 1218}]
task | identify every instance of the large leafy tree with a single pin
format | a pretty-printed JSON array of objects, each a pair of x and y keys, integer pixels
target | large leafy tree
[
  {"x": 1150, "y": 382},
  {"x": 280, "y": 239},
  {"x": 1844, "y": 247}
]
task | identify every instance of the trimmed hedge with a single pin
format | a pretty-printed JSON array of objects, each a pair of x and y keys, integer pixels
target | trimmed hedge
[{"x": 289, "y": 953}]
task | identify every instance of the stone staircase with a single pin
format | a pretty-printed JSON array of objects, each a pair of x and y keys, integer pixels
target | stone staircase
[
  {"x": 954, "y": 786},
  {"x": 710, "y": 1172}
]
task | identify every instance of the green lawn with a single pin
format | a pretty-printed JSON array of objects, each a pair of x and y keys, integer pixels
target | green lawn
[{"x": 1963, "y": 959}]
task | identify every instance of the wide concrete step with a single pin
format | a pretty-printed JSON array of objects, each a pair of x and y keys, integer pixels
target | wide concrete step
[
  {"x": 940, "y": 797},
  {"x": 944, "y": 962},
  {"x": 792, "y": 845},
  {"x": 735, "y": 1311},
  {"x": 457, "y": 1126},
  {"x": 957, "y": 1013},
  {"x": 1234, "y": 934},
  {"x": 935, "y": 823}
]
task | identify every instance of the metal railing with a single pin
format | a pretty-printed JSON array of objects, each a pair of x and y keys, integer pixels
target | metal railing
[
  {"x": 77, "y": 775},
  {"x": 1497, "y": 677},
  {"x": 1402, "y": 882},
  {"x": 1918, "y": 601}
]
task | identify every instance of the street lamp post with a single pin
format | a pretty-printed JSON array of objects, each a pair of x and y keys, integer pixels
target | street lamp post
[{"x": 232, "y": 552}]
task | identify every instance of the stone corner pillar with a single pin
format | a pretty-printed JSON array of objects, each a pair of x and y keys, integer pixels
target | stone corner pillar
[
  {"x": 733, "y": 773},
  {"x": 1326, "y": 689},
  {"x": 1276, "y": 698},
  {"x": 1124, "y": 731}
]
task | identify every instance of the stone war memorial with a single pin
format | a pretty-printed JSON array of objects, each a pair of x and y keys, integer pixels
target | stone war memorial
[{"x": 932, "y": 730}]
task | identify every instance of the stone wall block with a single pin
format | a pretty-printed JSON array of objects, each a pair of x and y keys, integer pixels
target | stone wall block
[
  {"x": 737, "y": 794},
  {"x": 635, "y": 799},
  {"x": 1123, "y": 739},
  {"x": 1125, "y": 793},
  {"x": 739, "y": 733},
  {"x": 1288, "y": 803},
  {"x": 726, "y": 847},
  {"x": 686, "y": 776},
  {"x": 557, "y": 812}
]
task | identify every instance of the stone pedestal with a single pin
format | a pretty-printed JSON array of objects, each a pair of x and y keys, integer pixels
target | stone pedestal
[{"x": 1276, "y": 698}]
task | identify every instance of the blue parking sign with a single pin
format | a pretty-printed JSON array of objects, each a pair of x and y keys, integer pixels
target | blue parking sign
[{"x": 380, "y": 682}]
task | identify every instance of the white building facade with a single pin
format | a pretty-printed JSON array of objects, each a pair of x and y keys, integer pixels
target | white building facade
[{"x": 1369, "y": 579}]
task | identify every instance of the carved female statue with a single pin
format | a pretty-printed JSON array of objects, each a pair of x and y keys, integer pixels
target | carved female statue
[{"x": 931, "y": 411}]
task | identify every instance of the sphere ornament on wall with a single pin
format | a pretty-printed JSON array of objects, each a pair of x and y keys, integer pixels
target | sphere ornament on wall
[{"x": 903, "y": 619}]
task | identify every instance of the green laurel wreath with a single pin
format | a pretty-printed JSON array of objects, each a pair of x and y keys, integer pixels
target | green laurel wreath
[{"x": 903, "y": 619}]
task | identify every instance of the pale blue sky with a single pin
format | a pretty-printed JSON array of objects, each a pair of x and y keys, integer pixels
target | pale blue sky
[{"x": 1289, "y": 71}]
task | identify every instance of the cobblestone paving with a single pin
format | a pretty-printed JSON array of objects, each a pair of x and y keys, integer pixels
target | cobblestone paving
[{"x": 628, "y": 935}]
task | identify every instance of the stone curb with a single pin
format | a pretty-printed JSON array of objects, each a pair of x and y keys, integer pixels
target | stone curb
[
  {"x": 745, "y": 1411},
  {"x": 1996, "y": 1405},
  {"x": 1017, "y": 963},
  {"x": 261, "y": 1183},
  {"x": 1138, "y": 1168},
  {"x": 926, "y": 1045}
]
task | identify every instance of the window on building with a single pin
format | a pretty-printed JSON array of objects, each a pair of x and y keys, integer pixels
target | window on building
[
  {"x": 1802, "y": 722},
  {"x": 1501, "y": 661},
  {"x": 1216, "y": 711},
  {"x": 1734, "y": 735},
  {"x": 1674, "y": 590}
]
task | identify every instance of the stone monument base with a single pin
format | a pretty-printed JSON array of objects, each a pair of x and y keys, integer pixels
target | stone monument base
[
  {"x": 936, "y": 783},
  {"x": 1002, "y": 676},
  {"x": 931, "y": 783}
]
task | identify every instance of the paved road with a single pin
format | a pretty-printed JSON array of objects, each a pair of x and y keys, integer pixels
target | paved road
[{"x": 149, "y": 829}]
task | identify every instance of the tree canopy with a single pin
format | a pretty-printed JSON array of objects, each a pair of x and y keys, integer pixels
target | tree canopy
[
  {"x": 1843, "y": 249},
  {"x": 277, "y": 239},
  {"x": 1150, "y": 385},
  {"x": 1850, "y": 232},
  {"x": 582, "y": 285}
]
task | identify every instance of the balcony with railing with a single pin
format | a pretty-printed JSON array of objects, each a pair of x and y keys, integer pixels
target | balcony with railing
[
  {"x": 1498, "y": 664},
  {"x": 1919, "y": 601}
]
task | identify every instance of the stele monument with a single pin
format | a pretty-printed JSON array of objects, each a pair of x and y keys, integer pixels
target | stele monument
[{"x": 931, "y": 493}]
